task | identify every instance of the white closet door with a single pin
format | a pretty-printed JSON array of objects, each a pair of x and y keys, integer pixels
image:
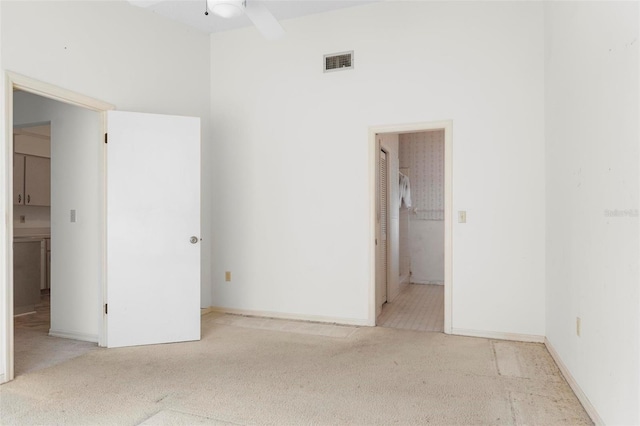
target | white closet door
[
  {"x": 153, "y": 229},
  {"x": 381, "y": 237}
]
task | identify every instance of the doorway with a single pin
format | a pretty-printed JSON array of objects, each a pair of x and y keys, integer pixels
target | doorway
[
  {"x": 51, "y": 323},
  {"x": 154, "y": 260},
  {"x": 76, "y": 219},
  {"x": 417, "y": 267}
]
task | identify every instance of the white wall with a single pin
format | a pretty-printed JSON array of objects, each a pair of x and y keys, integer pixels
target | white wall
[
  {"x": 426, "y": 238},
  {"x": 422, "y": 155},
  {"x": 76, "y": 183},
  {"x": 404, "y": 249},
  {"x": 592, "y": 167},
  {"x": 120, "y": 54},
  {"x": 292, "y": 164}
]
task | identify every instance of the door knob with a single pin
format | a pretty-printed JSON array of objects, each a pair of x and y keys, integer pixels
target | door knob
[{"x": 193, "y": 240}]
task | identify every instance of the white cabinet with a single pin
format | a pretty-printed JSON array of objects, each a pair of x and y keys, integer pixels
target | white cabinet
[{"x": 31, "y": 180}]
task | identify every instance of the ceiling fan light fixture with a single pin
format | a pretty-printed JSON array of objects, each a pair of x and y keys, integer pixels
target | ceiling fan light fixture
[{"x": 226, "y": 8}]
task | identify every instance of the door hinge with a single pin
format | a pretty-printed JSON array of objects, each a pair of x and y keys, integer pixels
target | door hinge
[
  {"x": 106, "y": 308},
  {"x": 106, "y": 137}
]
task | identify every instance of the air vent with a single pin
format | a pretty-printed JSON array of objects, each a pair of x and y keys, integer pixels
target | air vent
[{"x": 338, "y": 61}]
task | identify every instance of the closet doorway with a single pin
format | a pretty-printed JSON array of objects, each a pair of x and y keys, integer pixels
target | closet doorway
[{"x": 413, "y": 218}]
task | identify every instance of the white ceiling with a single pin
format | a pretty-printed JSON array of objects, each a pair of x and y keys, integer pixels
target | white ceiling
[{"x": 191, "y": 12}]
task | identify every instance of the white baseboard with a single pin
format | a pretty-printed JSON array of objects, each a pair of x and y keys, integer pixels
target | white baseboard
[
  {"x": 588, "y": 406},
  {"x": 295, "y": 317},
  {"x": 73, "y": 335},
  {"x": 2, "y": 379},
  {"x": 427, "y": 282},
  {"x": 204, "y": 311},
  {"x": 531, "y": 338}
]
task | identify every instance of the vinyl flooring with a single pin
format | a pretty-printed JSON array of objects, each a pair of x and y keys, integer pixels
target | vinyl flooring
[
  {"x": 34, "y": 349},
  {"x": 420, "y": 307}
]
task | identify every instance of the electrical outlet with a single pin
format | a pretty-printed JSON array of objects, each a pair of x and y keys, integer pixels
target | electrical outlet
[
  {"x": 578, "y": 326},
  {"x": 227, "y": 276},
  {"x": 23, "y": 219},
  {"x": 462, "y": 216}
]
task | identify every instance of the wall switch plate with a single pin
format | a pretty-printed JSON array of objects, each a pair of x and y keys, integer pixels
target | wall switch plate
[
  {"x": 23, "y": 219},
  {"x": 578, "y": 326},
  {"x": 462, "y": 216},
  {"x": 227, "y": 276},
  {"x": 73, "y": 216}
]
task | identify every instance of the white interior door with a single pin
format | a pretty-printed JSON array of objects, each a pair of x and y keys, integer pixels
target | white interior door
[
  {"x": 381, "y": 231},
  {"x": 153, "y": 211}
]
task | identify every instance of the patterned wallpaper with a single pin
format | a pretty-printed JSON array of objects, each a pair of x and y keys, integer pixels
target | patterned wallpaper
[{"x": 423, "y": 155}]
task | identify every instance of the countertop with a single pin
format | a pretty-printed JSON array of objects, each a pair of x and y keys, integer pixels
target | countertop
[{"x": 24, "y": 233}]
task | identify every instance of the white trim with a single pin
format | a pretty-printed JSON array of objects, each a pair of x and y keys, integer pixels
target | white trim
[
  {"x": 575, "y": 387},
  {"x": 447, "y": 126},
  {"x": 56, "y": 93},
  {"x": 75, "y": 336},
  {"x": 427, "y": 282},
  {"x": 17, "y": 81},
  {"x": 8, "y": 231},
  {"x": 498, "y": 335},
  {"x": 285, "y": 316},
  {"x": 448, "y": 226},
  {"x": 205, "y": 311}
]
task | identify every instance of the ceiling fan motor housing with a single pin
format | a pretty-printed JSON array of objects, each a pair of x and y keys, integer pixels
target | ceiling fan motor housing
[{"x": 226, "y": 8}]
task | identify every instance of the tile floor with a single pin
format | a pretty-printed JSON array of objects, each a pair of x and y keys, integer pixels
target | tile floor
[
  {"x": 35, "y": 349},
  {"x": 419, "y": 307}
]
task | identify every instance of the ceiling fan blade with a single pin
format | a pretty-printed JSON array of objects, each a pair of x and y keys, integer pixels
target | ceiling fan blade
[{"x": 264, "y": 21}]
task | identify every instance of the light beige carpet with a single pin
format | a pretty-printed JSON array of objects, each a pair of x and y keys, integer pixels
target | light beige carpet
[{"x": 244, "y": 375}]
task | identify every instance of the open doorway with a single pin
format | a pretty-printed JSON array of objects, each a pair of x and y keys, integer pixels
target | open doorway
[
  {"x": 50, "y": 188},
  {"x": 154, "y": 264},
  {"x": 412, "y": 224},
  {"x": 74, "y": 166}
]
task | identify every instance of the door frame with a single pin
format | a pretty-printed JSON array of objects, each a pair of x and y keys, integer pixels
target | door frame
[
  {"x": 12, "y": 82},
  {"x": 447, "y": 126}
]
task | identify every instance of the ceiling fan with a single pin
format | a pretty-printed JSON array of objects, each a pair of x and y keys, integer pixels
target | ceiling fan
[{"x": 255, "y": 10}]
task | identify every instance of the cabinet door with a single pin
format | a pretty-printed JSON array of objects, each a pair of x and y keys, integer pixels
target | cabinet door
[
  {"x": 18, "y": 179},
  {"x": 37, "y": 181},
  {"x": 26, "y": 276}
]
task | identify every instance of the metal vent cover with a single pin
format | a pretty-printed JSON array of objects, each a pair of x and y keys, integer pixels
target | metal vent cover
[{"x": 338, "y": 61}]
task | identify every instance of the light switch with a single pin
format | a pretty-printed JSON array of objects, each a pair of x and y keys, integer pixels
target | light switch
[
  {"x": 578, "y": 326},
  {"x": 462, "y": 216},
  {"x": 73, "y": 216}
]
